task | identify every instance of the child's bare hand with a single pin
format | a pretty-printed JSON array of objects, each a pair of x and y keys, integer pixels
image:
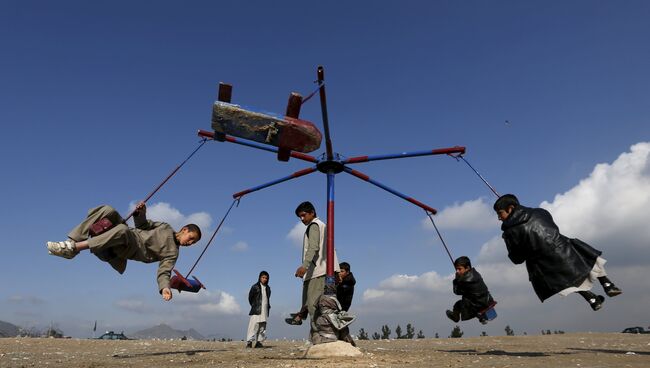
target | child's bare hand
[
  {"x": 300, "y": 272},
  {"x": 167, "y": 294},
  {"x": 141, "y": 207}
]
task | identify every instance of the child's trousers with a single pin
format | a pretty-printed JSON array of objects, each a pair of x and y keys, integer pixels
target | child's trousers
[
  {"x": 256, "y": 330},
  {"x": 115, "y": 245}
]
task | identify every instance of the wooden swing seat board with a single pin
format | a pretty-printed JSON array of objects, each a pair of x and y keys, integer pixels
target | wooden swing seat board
[{"x": 283, "y": 132}]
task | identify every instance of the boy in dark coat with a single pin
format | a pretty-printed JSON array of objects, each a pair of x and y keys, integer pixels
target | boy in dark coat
[
  {"x": 259, "y": 298},
  {"x": 470, "y": 285},
  {"x": 556, "y": 264},
  {"x": 345, "y": 287}
]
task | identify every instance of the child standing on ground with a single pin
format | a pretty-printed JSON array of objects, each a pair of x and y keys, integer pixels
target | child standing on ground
[
  {"x": 556, "y": 264},
  {"x": 476, "y": 297},
  {"x": 259, "y": 298},
  {"x": 345, "y": 286}
]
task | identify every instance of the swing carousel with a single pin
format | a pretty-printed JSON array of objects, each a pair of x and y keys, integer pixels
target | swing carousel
[{"x": 288, "y": 136}]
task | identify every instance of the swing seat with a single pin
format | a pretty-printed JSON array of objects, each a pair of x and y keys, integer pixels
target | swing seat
[
  {"x": 180, "y": 283},
  {"x": 287, "y": 133},
  {"x": 488, "y": 313}
]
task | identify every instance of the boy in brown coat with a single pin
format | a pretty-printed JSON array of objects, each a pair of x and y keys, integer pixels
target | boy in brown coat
[{"x": 148, "y": 242}]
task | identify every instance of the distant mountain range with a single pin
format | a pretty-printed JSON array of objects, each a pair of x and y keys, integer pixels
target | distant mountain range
[
  {"x": 163, "y": 331},
  {"x": 8, "y": 330}
]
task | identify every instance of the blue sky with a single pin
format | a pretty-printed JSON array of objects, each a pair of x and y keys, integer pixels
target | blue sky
[{"x": 100, "y": 101}]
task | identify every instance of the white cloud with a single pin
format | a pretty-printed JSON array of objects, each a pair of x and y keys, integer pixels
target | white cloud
[
  {"x": 209, "y": 303},
  {"x": 240, "y": 246},
  {"x": 296, "y": 234},
  {"x": 407, "y": 292},
  {"x": 164, "y": 212},
  {"x": 469, "y": 215},
  {"x": 611, "y": 207},
  {"x": 493, "y": 251}
]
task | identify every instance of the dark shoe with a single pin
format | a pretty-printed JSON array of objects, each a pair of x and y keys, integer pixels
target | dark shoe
[
  {"x": 482, "y": 319},
  {"x": 452, "y": 316},
  {"x": 249, "y": 344},
  {"x": 611, "y": 290},
  {"x": 597, "y": 302},
  {"x": 258, "y": 345},
  {"x": 293, "y": 321}
]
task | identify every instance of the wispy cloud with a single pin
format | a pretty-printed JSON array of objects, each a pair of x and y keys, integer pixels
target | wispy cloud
[
  {"x": 26, "y": 299},
  {"x": 208, "y": 303},
  {"x": 296, "y": 234},
  {"x": 413, "y": 293},
  {"x": 469, "y": 215},
  {"x": 133, "y": 305},
  {"x": 164, "y": 212},
  {"x": 240, "y": 246}
]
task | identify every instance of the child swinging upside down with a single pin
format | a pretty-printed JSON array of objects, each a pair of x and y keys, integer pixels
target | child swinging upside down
[
  {"x": 149, "y": 242},
  {"x": 556, "y": 264}
]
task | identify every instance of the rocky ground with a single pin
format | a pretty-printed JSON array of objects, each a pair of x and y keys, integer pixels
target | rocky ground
[{"x": 568, "y": 350}]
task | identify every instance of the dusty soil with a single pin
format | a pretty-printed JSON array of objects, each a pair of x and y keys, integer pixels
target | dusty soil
[{"x": 569, "y": 350}]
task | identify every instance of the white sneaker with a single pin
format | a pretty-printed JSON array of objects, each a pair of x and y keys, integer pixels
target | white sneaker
[{"x": 65, "y": 249}]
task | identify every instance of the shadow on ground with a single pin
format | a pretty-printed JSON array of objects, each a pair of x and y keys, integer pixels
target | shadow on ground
[
  {"x": 186, "y": 352},
  {"x": 506, "y": 353}
]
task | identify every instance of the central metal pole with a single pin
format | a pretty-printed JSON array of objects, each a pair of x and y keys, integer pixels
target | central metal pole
[
  {"x": 329, "y": 279},
  {"x": 323, "y": 107}
]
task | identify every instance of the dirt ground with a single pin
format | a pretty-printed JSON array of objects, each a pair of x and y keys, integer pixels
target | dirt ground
[{"x": 569, "y": 350}]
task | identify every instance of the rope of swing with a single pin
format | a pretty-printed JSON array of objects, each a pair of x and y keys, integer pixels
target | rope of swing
[
  {"x": 320, "y": 85},
  {"x": 477, "y": 173},
  {"x": 440, "y": 236},
  {"x": 429, "y": 214},
  {"x": 169, "y": 177},
  {"x": 213, "y": 235}
]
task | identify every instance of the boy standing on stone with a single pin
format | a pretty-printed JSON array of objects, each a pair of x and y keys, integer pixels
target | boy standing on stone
[{"x": 314, "y": 259}]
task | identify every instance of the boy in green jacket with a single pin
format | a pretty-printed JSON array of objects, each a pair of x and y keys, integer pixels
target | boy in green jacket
[{"x": 148, "y": 242}]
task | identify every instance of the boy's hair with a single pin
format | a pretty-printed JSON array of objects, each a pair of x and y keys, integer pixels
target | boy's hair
[
  {"x": 463, "y": 262},
  {"x": 505, "y": 201},
  {"x": 344, "y": 266},
  {"x": 263, "y": 273},
  {"x": 305, "y": 207},
  {"x": 193, "y": 228}
]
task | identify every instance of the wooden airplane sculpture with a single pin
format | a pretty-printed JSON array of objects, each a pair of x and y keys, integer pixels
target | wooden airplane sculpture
[{"x": 288, "y": 133}]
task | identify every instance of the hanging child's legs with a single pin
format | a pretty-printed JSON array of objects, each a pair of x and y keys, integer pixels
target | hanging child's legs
[
  {"x": 296, "y": 318},
  {"x": 610, "y": 289},
  {"x": 595, "y": 301},
  {"x": 462, "y": 311},
  {"x": 81, "y": 231},
  {"x": 453, "y": 315},
  {"x": 79, "y": 235}
]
